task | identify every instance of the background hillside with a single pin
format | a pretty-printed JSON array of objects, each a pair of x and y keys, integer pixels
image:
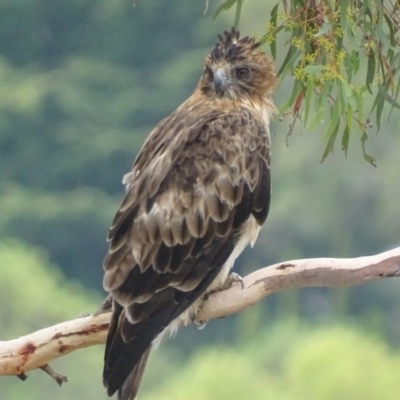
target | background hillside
[{"x": 81, "y": 85}]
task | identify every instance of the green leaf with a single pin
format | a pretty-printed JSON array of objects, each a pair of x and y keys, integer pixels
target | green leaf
[
  {"x": 325, "y": 29},
  {"x": 396, "y": 95},
  {"x": 369, "y": 159},
  {"x": 355, "y": 60},
  {"x": 389, "y": 23},
  {"x": 297, "y": 88},
  {"x": 368, "y": 28},
  {"x": 370, "y": 70},
  {"x": 383, "y": 92},
  {"x": 333, "y": 127},
  {"x": 224, "y": 6},
  {"x": 368, "y": 9},
  {"x": 361, "y": 13},
  {"x": 379, "y": 103},
  {"x": 272, "y": 46},
  {"x": 383, "y": 37},
  {"x": 314, "y": 70},
  {"x": 345, "y": 139},
  {"x": 318, "y": 119},
  {"x": 350, "y": 116},
  {"x": 346, "y": 91},
  {"x": 343, "y": 14},
  {"x": 273, "y": 22},
  {"x": 291, "y": 57},
  {"x": 335, "y": 116},
  {"x": 331, "y": 141},
  {"x": 274, "y": 15},
  {"x": 382, "y": 67},
  {"x": 326, "y": 91},
  {"x": 308, "y": 96},
  {"x": 352, "y": 42},
  {"x": 359, "y": 102},
  {"x": 390, "y": 57},
  {"x": 379, "y": 8},
  {"x": 348, "y": 66},
  {"x": 322, "y": 105},
  {"x": 238, "y": 12}
]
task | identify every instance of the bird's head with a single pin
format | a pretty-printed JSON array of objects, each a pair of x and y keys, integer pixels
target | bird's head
[{"x": 237, "y": 68}]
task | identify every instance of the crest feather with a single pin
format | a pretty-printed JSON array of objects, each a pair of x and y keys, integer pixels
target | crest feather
[{"x": 230, "y": 46}]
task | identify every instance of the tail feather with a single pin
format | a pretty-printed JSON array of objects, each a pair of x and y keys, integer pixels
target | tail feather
[
  {"x": 124, "y": 362},
  {"x": 128, "y": 368},
  {"x": 130, "y": 388}
]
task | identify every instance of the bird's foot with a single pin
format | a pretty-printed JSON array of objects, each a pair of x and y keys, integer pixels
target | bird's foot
[
  {"x": 232, "y": 278},
  {"x": 198, "y": 324}
]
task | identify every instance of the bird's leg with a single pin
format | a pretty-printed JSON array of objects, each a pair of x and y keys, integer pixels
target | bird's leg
[
  {"x": 232, "y": 278},
  {"x": 199, "y": 324}
]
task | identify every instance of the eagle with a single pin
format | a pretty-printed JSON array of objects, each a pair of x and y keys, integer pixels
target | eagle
[{"x": 197, "y": 195}]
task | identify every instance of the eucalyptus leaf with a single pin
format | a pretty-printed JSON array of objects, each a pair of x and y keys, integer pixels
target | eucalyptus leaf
[
  {"x": 228, "y": 4},
  {"x": 338, "y": 53},
  {"x": 314, "y": 69},
  {"x": 370, "y": 70}
]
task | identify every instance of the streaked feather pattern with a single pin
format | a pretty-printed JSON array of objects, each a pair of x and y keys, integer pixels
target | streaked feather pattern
[{"x": 198, "y": 191}]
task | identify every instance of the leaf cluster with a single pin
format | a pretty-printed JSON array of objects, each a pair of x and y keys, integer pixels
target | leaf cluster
[{"x": 339, "y": 54}]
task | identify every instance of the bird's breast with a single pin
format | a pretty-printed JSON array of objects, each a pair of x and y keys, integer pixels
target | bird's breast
[{"x": 247, "y": 235}]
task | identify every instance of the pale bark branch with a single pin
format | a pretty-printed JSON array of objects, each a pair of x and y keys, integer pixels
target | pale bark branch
[{"x": 37, "y": 349}]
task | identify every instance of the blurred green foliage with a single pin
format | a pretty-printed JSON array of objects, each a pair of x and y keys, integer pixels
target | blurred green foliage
[
  {"x": 81, "y": 85},
  {"x": 289, "y": 360},
  {"x": 35, "y": 294}
]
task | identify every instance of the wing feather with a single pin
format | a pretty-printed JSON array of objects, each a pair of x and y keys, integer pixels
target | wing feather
[
  {"x": 198, "y": 178},
  {"x": 261, "y": 196}
]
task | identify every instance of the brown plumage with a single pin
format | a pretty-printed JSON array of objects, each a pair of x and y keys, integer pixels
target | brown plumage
[{"x": 198, "y": 192}]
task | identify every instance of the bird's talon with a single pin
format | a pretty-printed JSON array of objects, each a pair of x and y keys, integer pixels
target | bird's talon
[
  {"x": 231, "y": 280},
  {"x": 197, "y": 323},
  {"x": 200, "y": 324}
]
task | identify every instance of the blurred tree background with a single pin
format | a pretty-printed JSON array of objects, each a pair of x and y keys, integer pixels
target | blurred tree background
[{"x": 81, "y": 85}]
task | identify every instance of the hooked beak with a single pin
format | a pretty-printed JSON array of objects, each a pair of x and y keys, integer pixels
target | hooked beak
[{"x": 220, "y": 80}]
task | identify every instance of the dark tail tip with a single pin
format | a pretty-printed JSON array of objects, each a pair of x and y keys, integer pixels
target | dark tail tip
[{"x": 131, "y": 385}]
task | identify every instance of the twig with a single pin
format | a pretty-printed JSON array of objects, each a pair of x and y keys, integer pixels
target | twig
[
  {"x": 22, "y": 376},
  {"x": 59, "y": 378}
]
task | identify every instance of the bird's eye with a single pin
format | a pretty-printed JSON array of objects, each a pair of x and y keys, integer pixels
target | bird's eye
[{"x": 242, "y": 72}]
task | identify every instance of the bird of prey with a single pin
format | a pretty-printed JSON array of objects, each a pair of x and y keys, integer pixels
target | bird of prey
[{"x": 198, "y": 193}]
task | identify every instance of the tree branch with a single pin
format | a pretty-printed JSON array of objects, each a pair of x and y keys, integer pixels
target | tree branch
[{"x": 37, "y": 349}]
